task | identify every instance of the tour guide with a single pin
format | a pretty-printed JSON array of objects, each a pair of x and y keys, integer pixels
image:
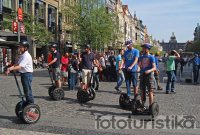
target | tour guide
[{"x": 25, "y": 67}]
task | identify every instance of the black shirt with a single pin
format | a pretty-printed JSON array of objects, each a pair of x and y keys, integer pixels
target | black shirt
[
  {"x": 87, "y": 60},
  {"x": 112, "y": 60},
  {"x": 57, "y": 63}
]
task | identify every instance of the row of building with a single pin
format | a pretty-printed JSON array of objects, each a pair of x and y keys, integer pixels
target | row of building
[{"x": 50, "y": 15}]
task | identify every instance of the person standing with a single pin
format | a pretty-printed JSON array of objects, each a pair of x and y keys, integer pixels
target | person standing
[
  {"x": 120, "y": 74},
  {"x": 130, "y": 60},
  {"x": 157, "y": 72},
  {"x": 195, "y": 63},
  {"x": 25, "y": 67},
  {"x": 64, "y": 68},
  {"x": 73, "y": 72},
  {"x": 171, "y": 71},
  {"x": 55, "y": 65},
  {"x": 112, "y": 60}
]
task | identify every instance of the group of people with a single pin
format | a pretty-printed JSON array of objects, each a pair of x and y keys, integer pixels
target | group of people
[{"x": 66, "y": 69}]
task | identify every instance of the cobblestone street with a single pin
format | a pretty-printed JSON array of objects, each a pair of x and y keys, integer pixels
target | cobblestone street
[{"x": 70, "y": 117}]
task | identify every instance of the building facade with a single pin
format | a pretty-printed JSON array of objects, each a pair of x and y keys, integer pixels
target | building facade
[{"x": 172, "y": 44}]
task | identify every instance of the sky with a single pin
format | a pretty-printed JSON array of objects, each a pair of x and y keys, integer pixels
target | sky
[{"x": 162, "y": 17}]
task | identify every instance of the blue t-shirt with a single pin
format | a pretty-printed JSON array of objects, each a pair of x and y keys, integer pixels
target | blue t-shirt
[
  {"x": 129, "y": 57},
  {"x": 196, "y": 61},
  {"x": 156, "y": 61},
  {"x": 146, "y": 62},
  {"x": 118, "y": 59}
]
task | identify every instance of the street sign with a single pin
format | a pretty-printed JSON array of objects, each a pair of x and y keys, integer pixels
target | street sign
[
  {"x": 22, "y": 27},
  {"x": 14, "y": 26},
  {"x": 20, "y": 14}
]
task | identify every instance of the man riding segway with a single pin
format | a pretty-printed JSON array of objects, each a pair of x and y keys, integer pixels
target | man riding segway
[
  {"x": 25, "y": 109},
  {"x": 130, "y": 61},
  {"x": 147, "y": 67}
]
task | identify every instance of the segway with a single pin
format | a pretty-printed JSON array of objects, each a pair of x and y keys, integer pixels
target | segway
[
  {"x": 84, "y": 96},
  {"x": 55, "y": 93},
  {"x": 138, "y": 108},
  {"x": 124, "y": 101},
  {"x": 29, "y": 113}
]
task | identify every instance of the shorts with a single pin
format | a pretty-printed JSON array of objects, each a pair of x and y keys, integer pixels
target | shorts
[
  {"x": 56, "y": 74},
  {"x": 131, "y": 77},
  {"x": 64, "y": 73},
  {"x": 147, "y": 81},
  {"x": 86, "y": 75}
]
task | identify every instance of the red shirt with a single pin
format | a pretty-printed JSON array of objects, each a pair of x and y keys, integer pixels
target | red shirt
[
  {"x": 64, "y": 62},
  {"x": 50, "y": 58}
]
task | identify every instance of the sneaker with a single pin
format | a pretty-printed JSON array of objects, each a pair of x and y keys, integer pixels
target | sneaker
[
  {"x": 117, "y": 89},
  {"x": 173, "y": 92},
  {"x": 159, "y": 88},
  {"x": 167, "y": 92}
]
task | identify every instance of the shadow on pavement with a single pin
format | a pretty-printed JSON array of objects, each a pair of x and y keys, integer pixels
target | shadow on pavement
[
  {"x": 13, "y": 119},
  {"x": 96, "y": 112},
  {"x": 104, "y": 91},
  {"x": 90, "y": 105}
]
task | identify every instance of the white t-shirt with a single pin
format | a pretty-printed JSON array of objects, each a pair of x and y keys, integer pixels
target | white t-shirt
[{"x": 26, "y": 62}]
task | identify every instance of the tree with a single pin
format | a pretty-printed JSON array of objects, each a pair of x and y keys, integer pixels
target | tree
[
  {"x": 91, "y": 23},
  {"x": 194, "y": 47},
  {"x": 37, "y": 31}
]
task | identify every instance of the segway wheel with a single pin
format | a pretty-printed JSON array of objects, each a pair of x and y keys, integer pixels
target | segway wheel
[
  {"x": 58, "y": 94},
  {"x": 50, "y": 91},
  {"x": 19, "y": 109},
  {"x": 134, "y": 107},
  {"x": 122, "y": 99},
  {"x": 92, "y": 94},
  {"x": 82, "y": 96},
  {"x": 31, "y": 113},
  {"x": 154, "y": 109}
]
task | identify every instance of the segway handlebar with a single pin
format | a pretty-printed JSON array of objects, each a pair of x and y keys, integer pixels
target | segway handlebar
[{"x": 18, "y": 87}]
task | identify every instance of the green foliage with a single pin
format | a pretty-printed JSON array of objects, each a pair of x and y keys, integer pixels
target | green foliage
[
  {"x": 7, "y": 24},
  {"x": 194, "y": 47},
  {"x": 92, "y": 24},
  {"x": 37, "y": 31}
]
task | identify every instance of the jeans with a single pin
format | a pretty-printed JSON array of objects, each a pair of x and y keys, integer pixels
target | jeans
[
  {"x": 196, "y": 73},
  {"x": 26, "y": 79},
  {"x": 120, "y": 78},
  {"x": 170, "y": 81},
  {"x": 130, "y": 77},
  {"x": 73, "y": 77},
  {"x": 95, "y": 79}
]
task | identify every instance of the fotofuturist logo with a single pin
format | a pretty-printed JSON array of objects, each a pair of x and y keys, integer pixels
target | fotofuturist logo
[{"x": 146, "y": 122}]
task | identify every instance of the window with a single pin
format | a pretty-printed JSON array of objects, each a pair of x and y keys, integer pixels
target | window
[
  {"x": 41, "y": 9},
  {"x": 52, "y": 18},
  {"x": 26, "y": 5},
  {"x": 7, "y": 3}
]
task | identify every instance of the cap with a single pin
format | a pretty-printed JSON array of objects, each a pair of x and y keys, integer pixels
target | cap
[
  {"x": 54, "y": 46},
  {"x": 147, "y": 45},
  {"x": 128, "y": 42}
]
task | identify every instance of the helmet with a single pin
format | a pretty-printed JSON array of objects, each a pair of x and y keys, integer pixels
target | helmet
[
  {"x": 87, "y": 46},
  {"x": 128, "y": 42},
  {"x": 146, "y": 45},
  {"x": 24, "y": 43}
]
